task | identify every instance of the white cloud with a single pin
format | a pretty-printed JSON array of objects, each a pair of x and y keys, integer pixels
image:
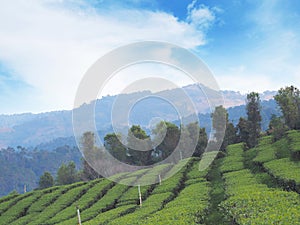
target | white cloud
[
  {"x": 50, "y": 46},
  {"x": 245, "y": 80},
  {"x": 201, "y": 16},
  {"x": 169, "y": 78}
]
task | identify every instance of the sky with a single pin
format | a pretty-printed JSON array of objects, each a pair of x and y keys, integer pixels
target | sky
[{"x": 46, "y": 47}]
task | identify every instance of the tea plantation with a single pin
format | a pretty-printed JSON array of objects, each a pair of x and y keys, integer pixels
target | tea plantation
[{"x": 255, "y": 186}]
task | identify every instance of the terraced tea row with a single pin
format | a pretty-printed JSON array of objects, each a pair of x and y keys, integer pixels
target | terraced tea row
[
  {"x": 239, "y": 187},
  {"x": 252, "y": 202}
]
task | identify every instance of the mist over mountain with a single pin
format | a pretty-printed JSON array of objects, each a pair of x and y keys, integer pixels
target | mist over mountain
[{"x": 50, "y": 130}]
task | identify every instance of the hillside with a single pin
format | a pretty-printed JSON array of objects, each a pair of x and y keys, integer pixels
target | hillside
[
  {"x": 256, "y": 186},
  {"x": 21, "y": 167}
]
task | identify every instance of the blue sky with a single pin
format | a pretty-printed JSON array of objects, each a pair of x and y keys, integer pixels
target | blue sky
[{"x": 47, "y": 46}]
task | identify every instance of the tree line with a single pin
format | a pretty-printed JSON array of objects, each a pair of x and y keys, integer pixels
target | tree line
[{"x": 248, "y": 130}]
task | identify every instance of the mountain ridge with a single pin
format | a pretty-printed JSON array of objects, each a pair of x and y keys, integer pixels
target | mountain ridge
[{"x": 30, "y": 130}]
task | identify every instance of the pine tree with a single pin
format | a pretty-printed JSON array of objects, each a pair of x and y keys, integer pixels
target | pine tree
[{"x": 254, "y": 119}]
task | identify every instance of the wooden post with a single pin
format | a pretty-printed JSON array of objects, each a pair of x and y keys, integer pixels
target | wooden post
[
  {"x": 180, "y": 155},
  {"x": 140, "y": 195},
  {"x": 25, "y": 189},
  {"x": 159, "y": 178},
  {"x": 78, "y": 215}
]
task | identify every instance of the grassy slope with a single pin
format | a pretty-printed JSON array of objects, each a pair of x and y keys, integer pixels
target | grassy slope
[{"x": 257, "y": 186}]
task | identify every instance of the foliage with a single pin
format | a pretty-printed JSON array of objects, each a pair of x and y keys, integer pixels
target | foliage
[
  {"x": 106, "y": 217},
  {"x": 65, "y": 199},
  {"x": 199, "y": 134},
  {"x": 88, "y": 148},
  {"x": 187, "y": 208},
  {"x": 219, "y": 122},
  {"x": 242, "y": 130},
  {"x": 19, "y": 208},
  {"x": 227, "y": 192},
  {"x": 46, "y": 180},
  {"x": 207, "y": 158},
  {"x": 277, "y": 128},
  {"x": 66, "y": 174},
  {"x": 139, "y": 146},
  {"x": 284, "y": 169},
  {"x": 114, "y": 146},
  {"x": 254, "y": 118},
  {"x": 26, "y": 167},
  {"x": 254, "y": 203},
  {"x": 294, "y": 144},
  {"x": 234, "y": 159},
  {"x": 263, "y": 207},
  {"x": 288, "y": 99},
  {"x": 230, "y": 136},
  {"x": 265, "y": 154},
  {"x": 170, "y": 140},
  {"x": 150, "y": 205}
]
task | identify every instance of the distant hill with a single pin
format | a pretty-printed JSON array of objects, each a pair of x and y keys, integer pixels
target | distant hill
[
  {"x": 51, "y": 129},
  {"x": 21, "y": 167}
]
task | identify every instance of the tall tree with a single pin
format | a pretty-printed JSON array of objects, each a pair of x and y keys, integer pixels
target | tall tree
[
  {"x": 66, "y": 174},
  {"x": 242, "y": 130},
  {"x": 114, "y": 146},
  {"x": 277, "y": 128},
  {"x": 288, "y": 99},
  {"x": 219, "y": 122},
  {"x": 140, "y": 151},
  {"x": 46, "y": 180},
  {"x": 170, "y": 140},
  {"x": 254, "y": 118},
  {"x": 230, "y": 136},
  {"x": 225, "y": 132},
  {"x": 89, "y": 150},
  {"x": 197, "y": 133}
]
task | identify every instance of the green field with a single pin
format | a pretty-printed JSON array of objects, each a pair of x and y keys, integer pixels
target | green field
[{"x": 257, "y": 186}]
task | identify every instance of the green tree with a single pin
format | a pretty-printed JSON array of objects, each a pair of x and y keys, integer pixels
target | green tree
[
  {"x": 219, "y": 122},
  {"x": 225, "y": 132},
  {"x": 230, "y": 136},
  {"x": 67, "y": 174},
  {"x": 242, "y": 130},
  {"x": 114, "y": 146},
  {"x": 89, "y": 150},
  {"x": 46, "y": 180},
  {"x": 197, "y": 133},
  {"x": 277, "y": 128},
  {"x": 288, "y": 99},
  {"x": 170, "y": 140},
  {"x": 254, "y": 118},
  {"x": 139, "y": 149}
]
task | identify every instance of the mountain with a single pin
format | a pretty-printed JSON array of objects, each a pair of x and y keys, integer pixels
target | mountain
[{"x": 46, "y": 130}]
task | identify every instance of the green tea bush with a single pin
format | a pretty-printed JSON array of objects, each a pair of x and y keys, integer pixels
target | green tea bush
[{"x": 234, "y": 159}]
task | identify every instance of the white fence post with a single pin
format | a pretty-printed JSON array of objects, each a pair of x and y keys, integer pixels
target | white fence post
[
  {"x": 78, "y": 215},
  {"x": 140, "y": 195}
]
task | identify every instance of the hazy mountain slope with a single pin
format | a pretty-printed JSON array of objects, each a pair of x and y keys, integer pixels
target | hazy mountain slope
[{"x": 30, "y": 130}]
